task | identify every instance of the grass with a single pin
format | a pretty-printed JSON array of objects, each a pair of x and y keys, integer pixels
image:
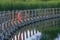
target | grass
[{"x": 19, "y": 4}]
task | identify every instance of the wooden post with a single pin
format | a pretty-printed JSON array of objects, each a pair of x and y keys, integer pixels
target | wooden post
[
  {"x": 9, "y": 23},
  {"x": 3, "y": 26},
  {"x": 13, "y": 17},
  {"x": 43, "y": 12},
  {"x": 50, "y": 11},
  {"x": 35, "y": 12},
  {"x": 53, "y": 11},
  {"x": 25, "y": 15},
  {"x": 28, "y": 14},
  {"x": 6, "y": 25},
  {"x": 32, "y": 13}
]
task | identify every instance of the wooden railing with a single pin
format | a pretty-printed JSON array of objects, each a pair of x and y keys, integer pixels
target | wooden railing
[{"x": 7, "y": 21}]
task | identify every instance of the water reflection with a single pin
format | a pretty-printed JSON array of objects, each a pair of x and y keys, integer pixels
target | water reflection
[
  {"x": 57, "y": 38},
  {"x": 45, "y": 30},
  {"x": 35, "y": 36},
  {"x": 32, "y": 35},
  {"x": 52, "y": 35},
  {"x": 29, "y": 35}
]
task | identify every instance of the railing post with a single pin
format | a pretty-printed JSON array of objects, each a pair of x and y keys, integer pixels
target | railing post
[
  {"x": 0, "y": 21},
  {"x": 0, "y": 28},
  {"x": 3, "y": 26},
  {"x": 12, "y": 17},
  {"x": 6, "y": 25},
  {"x": 4, "y": 15},
  {"x": 9, "y": 23},
  {"x": 53, "y": 11},
  {"x": 45, "y": 12},
  {"x": 16, "y": 13},
  {"x": 29, "y": 14},
  {"x": 50, "y": 11},
  {"x": 41, "y": 13},
  {"x": 25, "y": 16},
  {"x": 35, "y": 12},
  {"x": 15, "y": 18}
]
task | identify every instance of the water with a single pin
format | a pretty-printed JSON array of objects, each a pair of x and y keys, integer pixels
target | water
[
  {"x": 47, "y": 30},
  {"x": 58, "y": 37}
]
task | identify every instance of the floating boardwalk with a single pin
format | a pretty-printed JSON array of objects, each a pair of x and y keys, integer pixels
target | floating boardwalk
[{"x": 11, "y": 21}]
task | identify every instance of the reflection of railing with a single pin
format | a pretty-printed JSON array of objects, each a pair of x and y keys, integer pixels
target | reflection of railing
[
  {"x": 10, "y": 22},
  {"x": 8, "y": 34},
  {"x": 45, "y": 23},
  {"x": 27, "y": 35}
]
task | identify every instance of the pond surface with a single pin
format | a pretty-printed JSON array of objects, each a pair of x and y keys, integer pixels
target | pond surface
[{"x": 45, "y": 30}]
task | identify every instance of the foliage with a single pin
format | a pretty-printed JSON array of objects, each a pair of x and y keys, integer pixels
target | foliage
[{"x": 32, "y": 4}]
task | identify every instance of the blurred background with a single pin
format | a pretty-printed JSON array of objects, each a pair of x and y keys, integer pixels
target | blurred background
[{"x": 28, "y": 4}]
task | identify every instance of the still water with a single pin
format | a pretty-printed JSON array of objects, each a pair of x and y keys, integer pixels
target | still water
[{"x": 45, "y": 30}]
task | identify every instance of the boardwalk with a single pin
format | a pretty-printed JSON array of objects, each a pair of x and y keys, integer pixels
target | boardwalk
[{"x": 10, "y": 23}]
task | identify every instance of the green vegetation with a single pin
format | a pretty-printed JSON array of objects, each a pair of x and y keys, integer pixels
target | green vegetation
[{"x": 28, "y": 4}]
